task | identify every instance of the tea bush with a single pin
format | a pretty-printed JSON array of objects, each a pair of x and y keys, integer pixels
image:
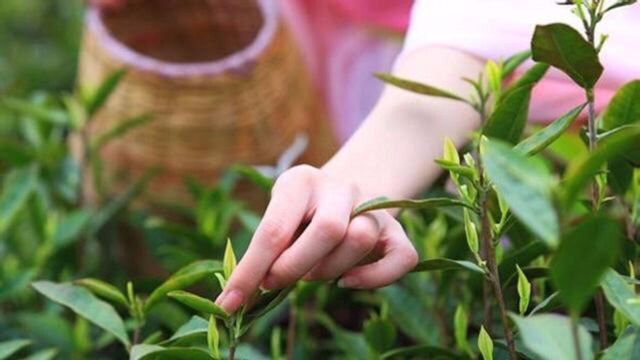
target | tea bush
[{"x": 533, "y": 257}]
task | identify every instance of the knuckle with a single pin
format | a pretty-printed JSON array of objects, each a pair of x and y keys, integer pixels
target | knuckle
[
  {"x": 361, "y": 236},
  {"x": 409, "y": 257},
  {"x": 332, "y": 227},
  {"x": 294, "y": 175},
  {"x": 285, "y": 272},
  {"x": 273, "y": 233}
]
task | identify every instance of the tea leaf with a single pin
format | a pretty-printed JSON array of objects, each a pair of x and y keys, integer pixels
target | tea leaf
[
  {"x": 624, "y": 108},
  {"x": 71, "y": 226},
  {"x": 485, "y": 344},
  {"x": 35, "y": 111},
  {"x": 446, "y": 264},
  {"x": 266, "y": 302},
  {"x": 460, "y": 325},
  {"x": 8, "y": 348},
  {"x": 380, "y": 334},
  {"x": 384, "y": 203},
  {"x": 229, "y": 260},
  {"x": 156, "y": 352},
  {"x": 524, "y": 291},
  {"x": 494, "y": 76},
  {"x": 457, "y": 170},
  {"x": 582, "y": 172},
  {"x": 563, "y": 47},
  {"x": 543, "y": 138},
  {"x": 195, "y": 325},
  {"x": 421, "y": 352},
  {"x": 508, "y": 119},
  {"x": 523, "y": 255},
  {"x": 104, "y": 91},
  {"x": 471, "y": 232},
  {"x": 554, "y": 332},
  {"x": 103, "y": 290},
  {"x": 417, "y": 87},
  {"x": 513, "y": 62},
  {"x": 276, "y": 341},
  {"x": 588, "y": 249},
  {"x": 531, "y": 273},
  {"x": 46, "y": 354},
  {"x": 525, "y": 187},
  {"x": 626, "y": 347},
  {"x": 409, "y": 314},
  {"x": 255, "y": 176},
  {"x": 618, "y": 294},
  {"x": 199, "y": 303},
  {"x": 85, "y": 304},
  {"x": 213, "y": 338},
  {"x": 183, "y": 278},
  {"x": 18, "y": 186},
  {"x": 530, "y": 77},
  {"x": 119, "y": 130}
]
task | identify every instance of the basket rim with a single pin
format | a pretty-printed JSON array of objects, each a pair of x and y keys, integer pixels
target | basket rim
[{"x": 238, "y": 60}]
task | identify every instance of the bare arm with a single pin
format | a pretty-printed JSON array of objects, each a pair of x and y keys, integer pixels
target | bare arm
[{"x": 391, "y": 154}]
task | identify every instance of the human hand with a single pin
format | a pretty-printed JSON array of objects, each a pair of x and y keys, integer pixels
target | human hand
[
  {"x": 331, "y": 246},
  {"x": 108, "y": 4}
]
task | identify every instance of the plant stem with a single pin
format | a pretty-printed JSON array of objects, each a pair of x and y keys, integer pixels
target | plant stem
[
  {"x": 232, "y": 352},
  {"x": 576, "y": 341}
]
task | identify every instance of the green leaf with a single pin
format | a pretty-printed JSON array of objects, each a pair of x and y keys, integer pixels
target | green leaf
[
  {"x": 524, "y": 291},
  {"x": 563, "y": 47},
  {"x": 460, "y": 326},
  {"x": 266, "y": 302},
  {"x": 617, "y": 291},
  {"x": 18, "y": 186},
  {"x": 507, "y": 121},
  {"x": 493, "y": 72},
  {"x": 447, "y": 264},
  {"x": 626, "y": 347},
  {"x": 420, "y": 352},
  {"x": 543, "y": 138},
  {"x": 485, "y": 344},
  {"x": 213, "y": 338},
  {"x": 156, "y": 352},
  {"x": 195, "y": 325},
  {"x": 548, "y": 336},
  {"x": 380, "y": 334},
  {"x": 582, "y": 172},
  {"x": 71, "y": 226},
  {"x": 183, "y": 278},
  {"x": 624, "y": 108},
  {"x": 417, "y": 87},
  {"x": 229, "y": 261},
  {"x": 104, "y": 91},
  {"x": 584, "y": 254},
  {"x": 199, "y": 303},
  {"x": 119, "y": 130},
  {"x": 525, "y": 187},
  {"x": 530, "y": 77},
  {"x": 103, "y": 290},
  {"x": 35, "y": 111},
  {"x": 471, "y": 232},
  {"x": 46, "y": 354},
  {"x": 513, "y": 62},
  {"x": 8, "y": 348},
  {"x": 384, "y": 203},
  {"x": 255, "y": 176},
  {"x": 409, "y": 314},
  {"x": 83, "y": 303},
  {"x": 455, "y": 169}
]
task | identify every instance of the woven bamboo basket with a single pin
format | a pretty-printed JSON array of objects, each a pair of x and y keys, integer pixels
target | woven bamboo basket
[{"x": 222, "y": 78}]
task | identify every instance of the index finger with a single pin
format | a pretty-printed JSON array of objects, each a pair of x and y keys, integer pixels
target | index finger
[{"x": 283, "y": 216}]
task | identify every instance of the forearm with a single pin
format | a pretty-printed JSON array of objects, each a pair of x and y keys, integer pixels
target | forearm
[{"x": 392, "y": 154}]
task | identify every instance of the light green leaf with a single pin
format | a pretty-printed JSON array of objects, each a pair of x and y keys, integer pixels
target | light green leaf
[
  {"x": 417, "y": 87},
  {"x": 549, "y": 337},
  {"x": 384, "y": 203},
  {"x": 103, "y": 290},
  {"x": 195, "y": 325},
  {"x": 213, "y": 338},
  {"x": 471, "y": 232},
  {"x": 35, "y": 111},
  {"x": 199, "y": 303},
  {"x": 525, "y": 186},
  {"x": 183, "y": 278},
  {"x": 513, "y": 62},
  {"x": 524, "y": 291},
  {"x": 460, "y": 326},
  {"x": 46, "y": 354},
  {"x": 485, "y": 344},
  {"x": 85, "y": 304},
  {"x": 104, "y": 91},
  {"x": 588, "y": 250},
  {"x": 617, "y": 291},
  {"x": 563, "y": 47},
  {"x": 493, "y": 72},
  {"x": 509, "y": 118},
  {"x": 71, "y": 226},
  {"x": 8, "y": 348},
  {"x": 119, "y": 130},
  {"x": 229, "y": 261},
  {"x": 530, "y": 77},
  {"x": 18, "y": 186},
  {"x": 446, "y": 264},
  {"x": 156, "y": 352},
  {"x": 624, "y": 108},
  {"x": 543, "y": 138},
  {"x": 626, "y": 347},
  {"x": 380, "y": 334}
]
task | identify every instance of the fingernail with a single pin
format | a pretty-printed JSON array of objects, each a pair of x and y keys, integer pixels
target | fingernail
[
  {"x": 348, "y": 282},
  {"x": 230, "y": 300}
]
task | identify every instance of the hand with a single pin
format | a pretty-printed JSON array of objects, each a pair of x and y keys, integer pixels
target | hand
[
  {"x": 331, "y": 246},
  {"x": 108, "y": 4}
]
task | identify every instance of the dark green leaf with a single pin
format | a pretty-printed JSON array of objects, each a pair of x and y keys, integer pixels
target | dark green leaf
[
  {"x": 384, "y": 203},
  {"x": 526, "y": 188},
  {"x": 549, "y": 337},
  {"x": 380, "y": 334},
  {"x": 417, "y": 87},
  {"x": 15, "y": 153},
  {"x": 619, "y": 175},
  {"x": 624, "y": 108},
  {"x": 531, "y": 273},
  {"x": 35, "y": 111},
  {"x": 266, "y": 302},
  {"x": 199, "y": 303},
  {"x": 196, "y": 325},
  {"x": 409, "y": 314},
  {"x": 584, "y": 254},
  {"x": 563, "y": 47},
  {"x": 183, "y": 278},
  {"x": 543, "y": 138},
  {"x": 582, "y": 171},
  {"x": 618, "y": 293},
  {"x": 529, "y": 78},
  {"x": 8, "y": 348},
  {"x": 507, "y": 121},
  {"x": 104, "y": 91},
  {"x": 71, "y": 226},
  {"x": 446, "y": 264},
  {"x": 627, "y": 347},
  {"x": 46, "y": 354},
  {"x": 18, "y": 185},
  {"x": 119, "y": 130},
  {"x": 104, "y": 290},
  {"x": 156, "y": 352},
  {"x": 421, "y": 352},
  {"x": 255, "y": 176},
  {"x": 523, "y": 255},
  {"x": 513, "y": 62},
  {"x": 83, "y": 303}
]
